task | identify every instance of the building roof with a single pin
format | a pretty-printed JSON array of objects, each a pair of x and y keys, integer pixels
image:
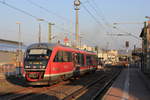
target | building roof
[
  {"x": 9, "y": 45},
  {"x": 9, "y": 41},
  {"x": 142, "y": 33},
  {"x": 146, "y": 26}
]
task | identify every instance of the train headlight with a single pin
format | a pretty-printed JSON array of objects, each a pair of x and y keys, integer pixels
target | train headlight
[
  {"x": 43, "y": 67},
  {"x": 34, "y": 67},
  {"x": 27, "y": 66}
]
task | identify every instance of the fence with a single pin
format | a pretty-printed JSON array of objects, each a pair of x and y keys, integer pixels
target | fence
[{"x": 7, "y": 70}]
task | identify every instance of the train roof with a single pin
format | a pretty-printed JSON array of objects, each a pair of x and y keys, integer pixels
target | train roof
[
  {"x": 52, "y": 45},
  {"x": 44, "y": 45}
]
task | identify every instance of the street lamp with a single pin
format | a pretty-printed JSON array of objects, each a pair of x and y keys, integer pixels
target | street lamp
[
  {"x": 39, "y": 38},
  {"x": 77, "y": 4}
]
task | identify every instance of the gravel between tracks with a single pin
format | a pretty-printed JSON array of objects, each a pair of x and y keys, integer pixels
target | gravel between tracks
[{"x": 61, "y": 91}]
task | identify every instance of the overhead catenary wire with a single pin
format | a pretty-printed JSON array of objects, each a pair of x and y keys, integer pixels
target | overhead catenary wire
[
  {"x": 100, "y": 14},
  {"x": 29, "y": 14},
  {"x": 109, "y": 25},
  {"x": 93, "y": 17},
  {"x": 53, "y": 13},
  {"x": 20, "y": 10},
  {"x": 127, "y": 33},
  {"x": 47, "y": 10},
  {"x": 97, "y": 21}
]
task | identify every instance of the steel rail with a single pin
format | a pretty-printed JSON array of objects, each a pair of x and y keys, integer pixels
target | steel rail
[
  {"x": 77, "y": 92},
  {"x": 33, "y": 92},
  {"x": 105, "y": 87}
]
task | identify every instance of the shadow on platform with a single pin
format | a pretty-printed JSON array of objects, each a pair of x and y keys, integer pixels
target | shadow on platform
[{"x": 33, "y": 96}]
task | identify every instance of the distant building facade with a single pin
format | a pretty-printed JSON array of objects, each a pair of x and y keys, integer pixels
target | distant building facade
[{"x": 145, "y": 58}]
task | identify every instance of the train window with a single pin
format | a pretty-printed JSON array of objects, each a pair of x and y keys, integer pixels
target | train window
[
  {"x": 94, "y": 60},
  {"x": 38, "y": 51},
  {"x": 58, "y": 57},
  {"x": 80, "y": 59},
  {"x": 69, "y": 56},
  {"x": 88, "y": 60},
  {"x": 63, "y": 56}
]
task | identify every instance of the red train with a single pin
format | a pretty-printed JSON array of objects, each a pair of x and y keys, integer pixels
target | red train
[{"x": 46, "y": 63}]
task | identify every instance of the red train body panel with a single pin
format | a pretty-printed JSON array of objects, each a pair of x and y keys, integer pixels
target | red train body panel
[{"x": 45, "y": 63}]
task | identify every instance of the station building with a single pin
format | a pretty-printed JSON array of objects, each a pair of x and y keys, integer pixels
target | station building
[{"x": 9, "y": 51}]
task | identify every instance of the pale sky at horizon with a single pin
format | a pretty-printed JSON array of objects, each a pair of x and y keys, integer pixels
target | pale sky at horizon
[{"x": 61, "y": 12}]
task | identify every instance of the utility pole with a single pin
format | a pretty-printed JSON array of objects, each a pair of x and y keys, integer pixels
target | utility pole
[
  {"x": 50, "y": 32},
  {"x": 39, "y": 38},
  {"x": 77, "y": 4},
  {"x": 39, "y": 33}
]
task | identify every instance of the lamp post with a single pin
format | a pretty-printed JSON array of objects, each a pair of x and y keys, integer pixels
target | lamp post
[
  {"x": 19, "y": 60},
  {"x": 39, "y": 38},
  {"x": 77, "y": 4}
]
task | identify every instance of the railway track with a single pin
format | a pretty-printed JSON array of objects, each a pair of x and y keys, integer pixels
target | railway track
[
  {"x": 27, "y": 92},
  {"x": 103, "y": 89},
  {"x": 99, "y": 86},
  {"x": 30, "y": 92},
  {"x": 68, "y": 91}
]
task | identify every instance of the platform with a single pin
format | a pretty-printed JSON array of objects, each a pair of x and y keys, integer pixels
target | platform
[{"x": 130, "y": 85}]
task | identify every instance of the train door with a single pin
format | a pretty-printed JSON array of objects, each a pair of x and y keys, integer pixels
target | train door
[
  {"x": 63, "y": 64},
  {"x": 89, "y": 62},
  {"x": 76, "y": 71}
]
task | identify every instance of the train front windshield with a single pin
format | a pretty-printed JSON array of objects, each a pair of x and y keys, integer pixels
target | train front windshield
[{"x": 37, "y": 58}]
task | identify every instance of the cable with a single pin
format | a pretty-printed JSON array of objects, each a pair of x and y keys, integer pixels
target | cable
[
  {"x": 15, "y": 8},
  {"x": 127, "y": 33},
  {"x": 29, "y": 14},
  {"x": 92, "y": 15},
  {"x": 50, "y": 12},
  {"x": 99, "y": 13},
  {"x": 47, "y": 10}
]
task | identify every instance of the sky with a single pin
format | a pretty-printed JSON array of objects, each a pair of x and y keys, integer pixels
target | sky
[{"x": 96, "y": 18}]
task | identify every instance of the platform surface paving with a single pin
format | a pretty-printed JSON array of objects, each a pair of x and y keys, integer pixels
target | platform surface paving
[{"x": 128, "y": 86}]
